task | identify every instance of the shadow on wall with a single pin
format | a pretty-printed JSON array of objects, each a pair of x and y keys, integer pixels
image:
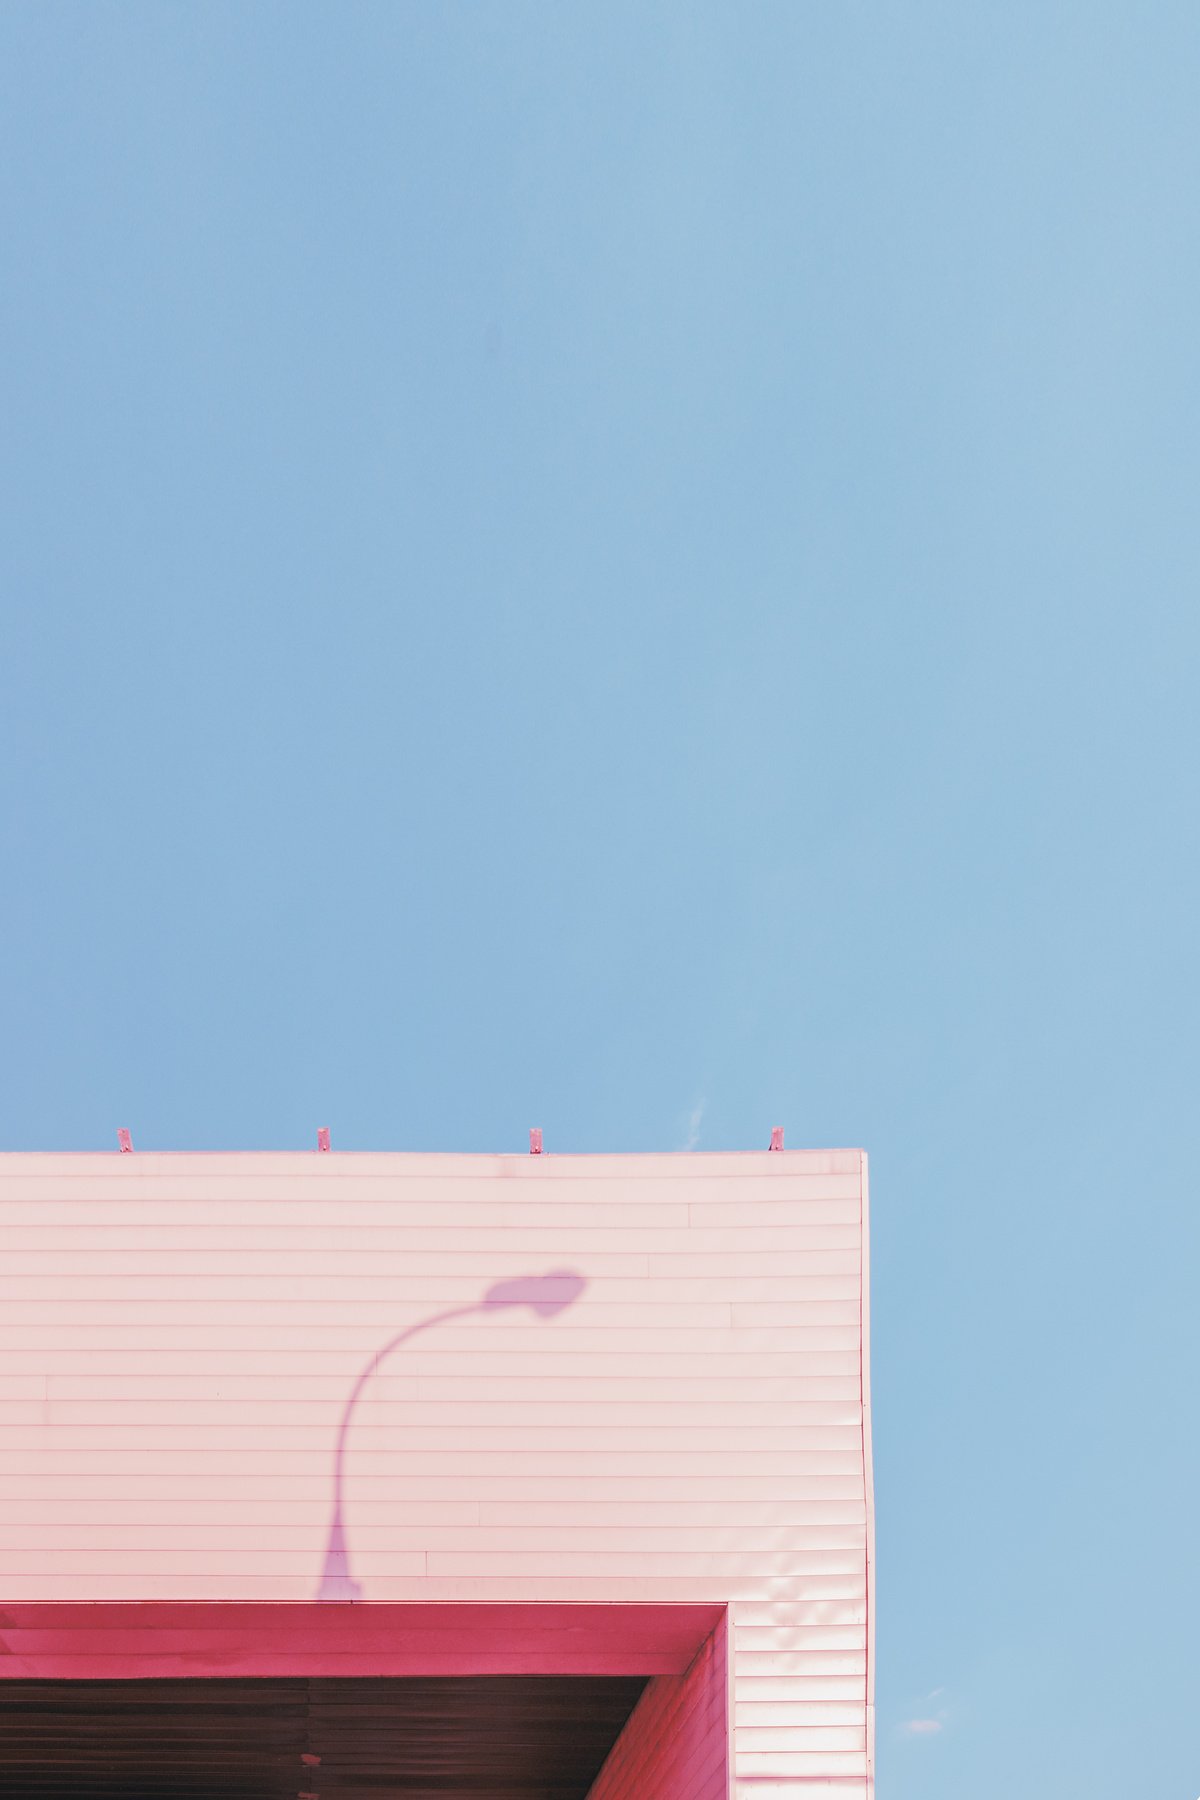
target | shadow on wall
[{"x": 545, "y": 1295}]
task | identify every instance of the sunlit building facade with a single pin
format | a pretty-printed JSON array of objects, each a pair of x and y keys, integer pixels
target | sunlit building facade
[{"x": 401, "y": 1475}]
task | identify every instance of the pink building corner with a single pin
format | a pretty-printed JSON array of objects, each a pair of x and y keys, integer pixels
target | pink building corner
[{"x": 322, "y": 1419}]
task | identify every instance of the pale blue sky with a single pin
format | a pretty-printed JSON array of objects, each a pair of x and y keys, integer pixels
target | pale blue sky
[{"x": 634, "y": 568}]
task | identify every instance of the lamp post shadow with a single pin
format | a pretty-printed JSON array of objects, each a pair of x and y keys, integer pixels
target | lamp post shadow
[{"x": 545, "y": 1295}]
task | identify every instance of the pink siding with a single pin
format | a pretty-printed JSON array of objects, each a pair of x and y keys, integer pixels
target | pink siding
[
  {"x": 180, "y": 1335},
  {"x": 675, "y": 1747}
]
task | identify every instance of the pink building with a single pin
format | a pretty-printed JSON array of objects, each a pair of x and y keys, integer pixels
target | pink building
[{"x": 526, "y": 1477}]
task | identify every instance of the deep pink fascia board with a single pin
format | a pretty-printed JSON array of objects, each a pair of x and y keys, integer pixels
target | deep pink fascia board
[{"x": 138, "y": 1640}]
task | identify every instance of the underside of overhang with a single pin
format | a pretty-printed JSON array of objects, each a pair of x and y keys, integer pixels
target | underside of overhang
[{"x": 485, "y": 1737}]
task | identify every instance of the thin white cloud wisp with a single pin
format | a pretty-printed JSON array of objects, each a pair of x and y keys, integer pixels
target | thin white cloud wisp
[{"x": 695, "y": 1120}]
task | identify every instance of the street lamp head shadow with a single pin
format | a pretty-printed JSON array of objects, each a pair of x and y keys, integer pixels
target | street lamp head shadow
[{"x": 545, "y": 1295}]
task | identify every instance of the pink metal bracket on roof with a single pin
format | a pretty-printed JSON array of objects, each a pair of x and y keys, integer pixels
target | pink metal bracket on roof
[
  {"x": 124, "y": 1142},
  {"x": 535, "y": 1140},
  {"x": 322, "y": 1137},
  {"x": 777, "y": 1138}
]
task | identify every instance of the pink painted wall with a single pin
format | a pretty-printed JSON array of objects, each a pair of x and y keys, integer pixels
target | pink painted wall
[
  {"x": 675, "y": 1747},
  {"x": 180, "y": 1335}
]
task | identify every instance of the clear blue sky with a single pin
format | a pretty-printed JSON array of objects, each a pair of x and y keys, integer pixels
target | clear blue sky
[{"x": 636, "y": 569}]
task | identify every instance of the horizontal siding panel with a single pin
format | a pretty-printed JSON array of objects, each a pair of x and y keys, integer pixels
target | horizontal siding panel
[
  {"x": 758, "y": 1492},
  {"x": 801, "y": 1737},
  {"x": 772, "y": 1641},
  {"x": 783, "y": 1266},
  {"x": 239, "y": 1214},
  {"x": 797, "y": 1708},
  {"x": 804, "y": 1788},
  {"x": 94, "y": 1559},
  {"x": 408, "y": 1405},
  {"x": 799, "y": 1690},
  {"x": 160, "y": 1286},
  {"x": 818, "y": 1659},
  {"x": 843, "y": 1518},
  {"x": 733, "y": 1567},
  {"x": 758, "y": 1380},
  {"x": 319, "y": 1339},
  {"x": 761, "y": 1765},
  {"x": 831, "y": 1429},
  {"x": 42, "y": 1535},
  {"x": 429, "y": 1166},
  {"x": 722, "y": 1216}
]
